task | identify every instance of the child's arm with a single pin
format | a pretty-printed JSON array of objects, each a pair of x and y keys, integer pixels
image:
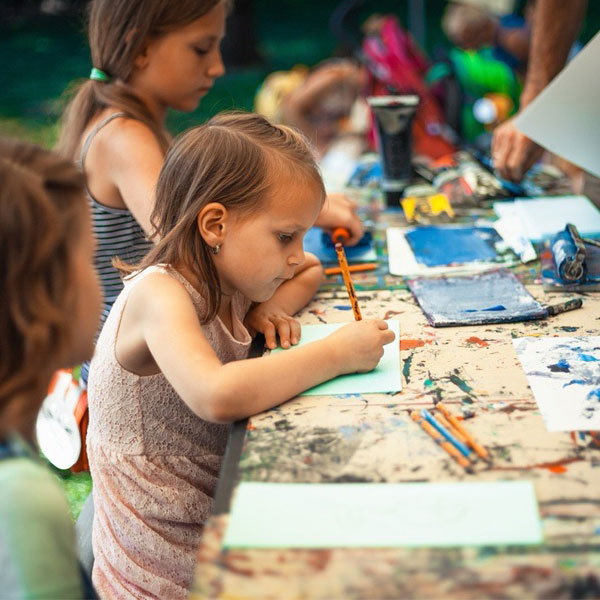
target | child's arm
[
  {"x": 275, "y": 316},
  {"x": 160, "y": 331}
]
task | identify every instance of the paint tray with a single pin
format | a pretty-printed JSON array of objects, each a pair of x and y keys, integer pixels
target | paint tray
[{"x": 493, "y": 297}]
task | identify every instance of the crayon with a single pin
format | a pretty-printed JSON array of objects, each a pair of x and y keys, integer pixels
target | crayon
[
  {"x": 452, "y": 439},
  {"x": 348, "y": 281},
  {"x": 481, "y": 451},
  {"x": 440, "y": 441},
  {"x": 340, "y": 235},
  {"x": 351, "y": 269},
  {"x": 442, "y": 419},
  {"x": 561, "y": 307}
]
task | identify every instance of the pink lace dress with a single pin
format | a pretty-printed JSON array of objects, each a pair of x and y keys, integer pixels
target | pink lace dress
[{"x": 154, "y": 463}]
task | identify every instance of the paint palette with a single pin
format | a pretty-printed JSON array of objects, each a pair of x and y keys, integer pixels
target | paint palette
[{"x": 495, "y": 297}]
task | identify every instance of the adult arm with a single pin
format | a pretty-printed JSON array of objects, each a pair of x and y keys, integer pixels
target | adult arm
[{"x": 556, "y": 25}]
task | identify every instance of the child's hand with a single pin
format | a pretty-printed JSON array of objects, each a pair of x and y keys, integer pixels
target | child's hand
[
  {"x": 272, "y": 321},
  {"x": 359, "y": 346},
  {"x": 340, "y": 211}
]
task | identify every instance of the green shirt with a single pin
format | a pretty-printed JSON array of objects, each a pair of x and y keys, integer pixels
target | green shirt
[{"x": 37, "y": 536}]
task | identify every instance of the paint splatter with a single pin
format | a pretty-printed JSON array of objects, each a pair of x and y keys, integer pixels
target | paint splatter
[
  {"x": 475, "y": 340},
  {"x": 342, "y": 307},
  {"x": 409, "y": 344},
  {"x": 406, "y": 368},
  {"x": 588, "y": 358},
  {"x": 562, "y": 366},
  {"x": 391, "y": 313},
  {"x": 459, "y": 383}
]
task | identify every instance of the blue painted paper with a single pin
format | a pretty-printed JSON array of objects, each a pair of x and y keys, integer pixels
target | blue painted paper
[
  {"x": 494, "y": 297},
  {"x": 435, "y": 246}
]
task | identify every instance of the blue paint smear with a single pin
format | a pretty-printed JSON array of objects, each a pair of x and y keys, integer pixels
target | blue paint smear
[
  {"x": 467, "y": 300},
  {"x": 575, "y": 382},
  {"x": 562, "y": 366},
  {"x": 594, "y": 395},
  {"x": 436, "y": 246},
  {"x": 588, "y": 358},
  {"x": 343, "y": 307},
  {"x": 490, "y": 309}
]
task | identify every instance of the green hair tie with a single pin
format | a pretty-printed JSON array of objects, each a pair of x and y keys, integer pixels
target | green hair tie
[{"x": 99, "y": 75}]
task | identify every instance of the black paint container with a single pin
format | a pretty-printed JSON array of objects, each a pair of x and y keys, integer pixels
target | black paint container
[{"x": 393, "y": 121}]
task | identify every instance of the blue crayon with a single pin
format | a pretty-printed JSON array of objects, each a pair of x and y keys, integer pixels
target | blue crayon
[{"x": 431, "y": 419}]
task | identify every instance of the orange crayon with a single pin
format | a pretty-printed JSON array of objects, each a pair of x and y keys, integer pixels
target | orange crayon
[
  {"x": 348, "y": 281},
  {"x": 481, "y": 451},
  {"x": 351, "y": 269},
  {"x": 440, "y": 441}
]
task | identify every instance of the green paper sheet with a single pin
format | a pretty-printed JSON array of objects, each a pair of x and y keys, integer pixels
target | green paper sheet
[
  {"x": 386, "y": 377},
  {"x": 336, "y": 515}
]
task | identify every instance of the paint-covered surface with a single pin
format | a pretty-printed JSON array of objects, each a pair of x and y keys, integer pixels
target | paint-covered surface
[
  {"x": 328, "y": 439},
  {"x": 496, "y": 297},
  {"x": 435, "y": 246},
  {"x": 564, "y": 374}
]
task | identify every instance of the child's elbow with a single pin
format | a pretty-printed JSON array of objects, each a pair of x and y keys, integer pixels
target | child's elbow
[{"x": 222, "y": 406}]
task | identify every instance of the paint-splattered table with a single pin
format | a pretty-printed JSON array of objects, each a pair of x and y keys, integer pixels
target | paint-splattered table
[{"x": 372, "y": 439}]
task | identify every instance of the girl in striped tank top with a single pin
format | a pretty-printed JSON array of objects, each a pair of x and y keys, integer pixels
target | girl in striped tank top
[{"x": 148, "y": 56}]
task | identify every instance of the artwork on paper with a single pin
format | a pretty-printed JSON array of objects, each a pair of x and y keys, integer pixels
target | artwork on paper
[
  {"x": 446, "y": 249},
  {"x": 564, "y": 376},
  {"x": 495, "y": 297}
]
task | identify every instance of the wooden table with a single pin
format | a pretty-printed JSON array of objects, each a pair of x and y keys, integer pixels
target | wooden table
[{"x": 371, "y": 438}]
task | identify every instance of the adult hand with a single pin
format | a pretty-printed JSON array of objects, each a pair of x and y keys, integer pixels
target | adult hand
[
  {"x": 340, "y": 211},
  {"x": 513, "y": 153}
]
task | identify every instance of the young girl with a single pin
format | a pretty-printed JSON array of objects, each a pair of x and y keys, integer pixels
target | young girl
[
  {"x": 233, "y": 202},
  {"x": 48, "y": 318},
  {"x": 147, "y": 56}
]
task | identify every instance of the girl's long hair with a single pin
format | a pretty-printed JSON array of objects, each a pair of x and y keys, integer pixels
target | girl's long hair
[
  {"x": 117, "y": 31},
  {"x": 232, "y": 159},
  {"x": 42, "y": 212}
]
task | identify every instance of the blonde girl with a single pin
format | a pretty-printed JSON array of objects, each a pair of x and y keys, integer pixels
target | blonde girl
[
  {"x": 48, "y": 318},
  {"x": 171, "y": 371}
]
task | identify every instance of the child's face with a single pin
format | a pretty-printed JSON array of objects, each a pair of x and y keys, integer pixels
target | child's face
[
  {"x": 88, "y": 297},
  {"x": 179, "y": 68},
  {"x": 262, "y": 250}
]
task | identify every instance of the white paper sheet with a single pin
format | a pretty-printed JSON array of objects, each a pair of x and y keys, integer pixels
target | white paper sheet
[
  {"x": 564, "y": 375},
  {"x": 565, "y": 116},
  {"x": 380, "y": 515},
  {"x": 542, "y": 218}
]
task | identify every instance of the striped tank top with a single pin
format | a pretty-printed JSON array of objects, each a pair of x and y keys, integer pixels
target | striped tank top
[{"x": 117, "y": 234}]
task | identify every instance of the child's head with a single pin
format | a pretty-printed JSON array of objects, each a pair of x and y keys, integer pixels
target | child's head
[
  {"x": 233, "y": 201},
  {"x": 157, "y": 54},
  {"x": 50, "y": 301}
]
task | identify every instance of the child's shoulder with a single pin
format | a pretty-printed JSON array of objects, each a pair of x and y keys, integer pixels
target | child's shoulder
[
  {"x": 120, "y": 135},
  {"x": 158, "y": 288}
]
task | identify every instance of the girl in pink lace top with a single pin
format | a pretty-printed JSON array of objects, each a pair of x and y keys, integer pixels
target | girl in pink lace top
[{"x": 233, "y": 202}]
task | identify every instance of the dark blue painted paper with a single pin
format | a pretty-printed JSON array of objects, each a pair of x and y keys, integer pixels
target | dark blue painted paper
[
  {"x": 495, "y": 297},
  {"x": 436, "y": 246}
]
